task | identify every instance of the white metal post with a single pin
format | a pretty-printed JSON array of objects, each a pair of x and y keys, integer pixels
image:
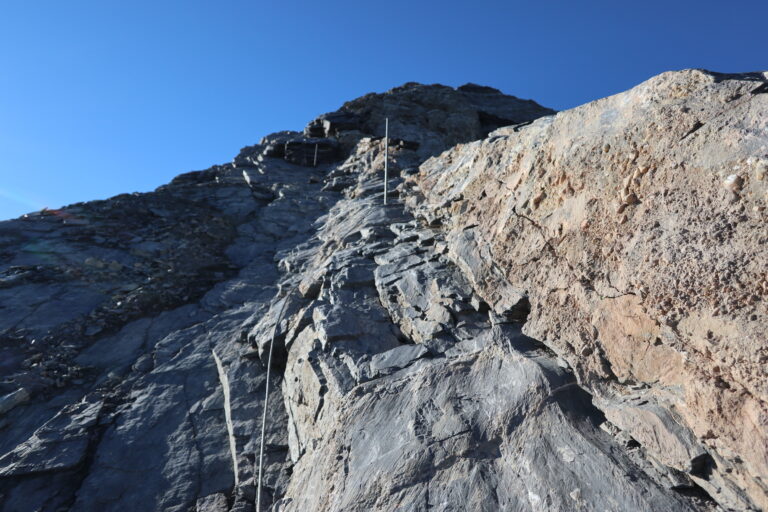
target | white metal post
[{"x": 386, "y": 156}]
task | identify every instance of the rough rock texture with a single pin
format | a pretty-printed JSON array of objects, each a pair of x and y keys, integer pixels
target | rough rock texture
[
  {"x": 111, "y": 313},
  {"x": 426, "y": 354},
  {"x": 447, "y": 405},
  {"x": 636, "y": 228}
]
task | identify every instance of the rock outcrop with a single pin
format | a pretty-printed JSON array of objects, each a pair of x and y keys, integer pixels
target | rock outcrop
[
  {"x": 636, "y": 228},
  {"x": 566, "y": 314}
]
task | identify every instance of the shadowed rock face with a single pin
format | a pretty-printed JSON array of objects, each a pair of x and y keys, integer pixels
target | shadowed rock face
[{"x": 427, "y": 356}]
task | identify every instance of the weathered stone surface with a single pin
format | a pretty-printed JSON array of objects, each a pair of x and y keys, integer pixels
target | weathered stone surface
[
  {"x": 13, "y": 399},
  {"x": 312, "y": 150},
  {"x": 332, "y": 124},
  {"x": 396, "y": 358},
  {"x": 483, "y": 419},
  {"x": 124, "y": 306},
  {"x": 59, "y": 444},
  {"x": 635, "y": 226},
  {"x": 436, "y": 117},
  {"x": 249, "y": 156},
  {"x": 213, "y": 503},
  {"x": 135, "y": 332},
  {"x": 660, "y": 433},
  {"x": 274, "y": 144},
  {"x": 467, "y": 433}
]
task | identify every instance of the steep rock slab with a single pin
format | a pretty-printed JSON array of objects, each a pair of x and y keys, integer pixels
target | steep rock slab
[
  {"x": 635, "y": 226},
  {"x": 475, "y": 432},
  {"x": 405, "y": 392}
]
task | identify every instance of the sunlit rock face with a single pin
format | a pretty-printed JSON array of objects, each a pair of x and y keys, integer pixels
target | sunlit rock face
[
  {"x": 636, "y": 227},
  {"x": 551, "y": 312}
]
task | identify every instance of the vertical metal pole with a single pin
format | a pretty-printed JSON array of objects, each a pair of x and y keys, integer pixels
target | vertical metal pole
[
  {"x": 386, "y": 156},
  {"x": 315, "y": 164}
]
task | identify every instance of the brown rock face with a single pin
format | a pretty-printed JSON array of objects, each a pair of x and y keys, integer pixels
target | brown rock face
[{"x": 635, "y": 226}]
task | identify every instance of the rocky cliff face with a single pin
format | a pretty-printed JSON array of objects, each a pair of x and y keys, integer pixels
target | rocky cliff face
[
  {"x": 566, "y": 314},
  {"x": 636, "y": 227}
]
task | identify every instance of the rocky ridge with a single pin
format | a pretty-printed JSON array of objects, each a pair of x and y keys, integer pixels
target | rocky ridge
[{"x": 434, "y": 353}]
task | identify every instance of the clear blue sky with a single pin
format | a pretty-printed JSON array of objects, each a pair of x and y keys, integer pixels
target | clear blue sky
[{"x": 102, "y": 97}]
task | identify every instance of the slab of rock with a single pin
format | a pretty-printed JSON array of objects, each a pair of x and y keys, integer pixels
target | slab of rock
[
  {"x": 635, "y": 226},
  {"x": 480, "y": 432},
  {"x": 396, "y": 358},
  {"x": 490, "y": 421},
  {"x": 60, "y": 443},
  {"x": 13, "y": 399}
]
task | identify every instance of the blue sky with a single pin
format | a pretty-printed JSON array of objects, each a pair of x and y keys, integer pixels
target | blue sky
[{"x": 102, "y": 97}]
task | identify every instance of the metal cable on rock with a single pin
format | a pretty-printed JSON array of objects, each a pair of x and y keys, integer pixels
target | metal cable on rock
[{"x": 266, "y": 395}]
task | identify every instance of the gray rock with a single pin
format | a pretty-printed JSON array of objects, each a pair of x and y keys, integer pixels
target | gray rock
[
  {"x": 60, "y": 443},
  {"x": 396, "y": 358},
  {"x": 331, "y": 124},
  {"x": 249, "y": 156},
  {"x": 607, "y": 223},
  {"x": 301, "y": 151},
  {"x": 656, "y": 429},
  {"x": 136, "y": 332},
  {"x": 13, "y": 399},
  {"x": 213, "y": 503},
  {"x": 274, "y": 144}
]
